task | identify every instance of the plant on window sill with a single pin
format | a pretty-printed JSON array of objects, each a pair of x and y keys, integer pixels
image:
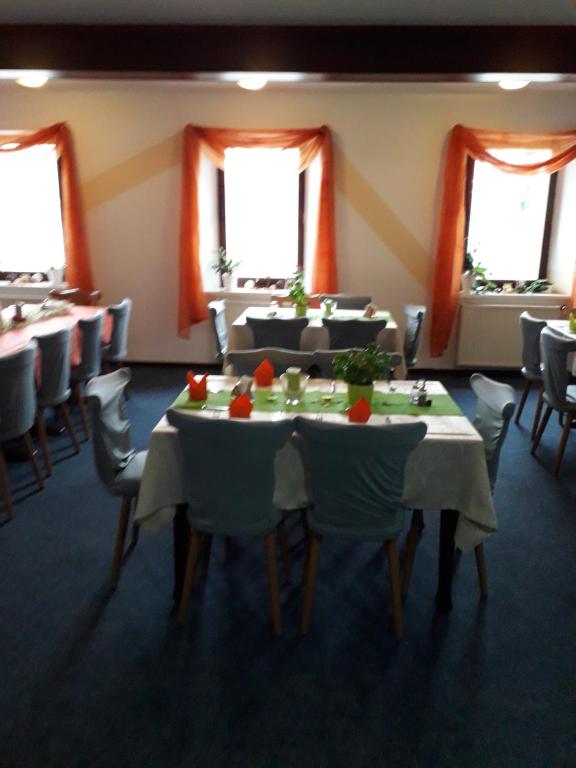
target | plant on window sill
[{"x": 224, "y": 267}]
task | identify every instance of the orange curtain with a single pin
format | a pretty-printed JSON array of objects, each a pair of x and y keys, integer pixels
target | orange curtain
[
  {"x": 214, "y": 141},
  {"x": 464, "y": 143},
  {"x": 78, "y": 272}
]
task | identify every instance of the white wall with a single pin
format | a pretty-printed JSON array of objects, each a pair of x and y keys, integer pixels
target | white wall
[{"x": 389, "y": 140}]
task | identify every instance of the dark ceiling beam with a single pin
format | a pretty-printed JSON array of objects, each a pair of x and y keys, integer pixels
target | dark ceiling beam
[{"x": 339, "y": 52}]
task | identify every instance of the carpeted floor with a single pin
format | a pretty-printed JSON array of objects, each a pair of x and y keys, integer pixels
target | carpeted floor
[{"x": 89, "y": 679}]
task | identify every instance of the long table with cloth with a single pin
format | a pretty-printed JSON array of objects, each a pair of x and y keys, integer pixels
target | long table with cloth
[{"x": 447, "y": 471}]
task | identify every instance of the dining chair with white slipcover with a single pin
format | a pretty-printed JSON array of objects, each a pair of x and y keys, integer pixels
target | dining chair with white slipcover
[
  {"x": 217, "y": 312},
  {"x": 90, "y": 361},
  {"x": 276, "y": 332},
  {"x": 344, "y": 301},
  {"x": 115, "y": 352},
  {"x": 345, "y": 334},
  {"x": 531, "y": 328}
]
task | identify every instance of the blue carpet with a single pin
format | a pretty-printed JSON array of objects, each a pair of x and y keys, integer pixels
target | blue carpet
[{"x": 92, "y": 680}]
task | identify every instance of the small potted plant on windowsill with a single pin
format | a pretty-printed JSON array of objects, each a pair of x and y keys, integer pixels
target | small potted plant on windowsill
[
  {"x": 297, "y": 294},
  {"x": 360, "y": 368},
  {"x": 225, "y": 268}
]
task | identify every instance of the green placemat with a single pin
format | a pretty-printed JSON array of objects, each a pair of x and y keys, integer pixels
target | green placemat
[{"x": 391, "y": 403}]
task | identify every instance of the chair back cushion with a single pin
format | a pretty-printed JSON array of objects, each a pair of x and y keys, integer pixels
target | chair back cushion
[
  {"x": 531, "y": 329},
  {"x": 54, "y": 368},
  {"x": 554, "y": 351},
  {"x": 414, "y": 318},
  {"x": 118, "y": 348},
  {"x": 345, "y": 334},
  {"x": 243, "y": 362},
  {"x": 17, "y": 392},
  {"x": 357, "y": 476},
  {"x": 494, "y": 409},
  {"x": 91, "y": 355},
  {"x": 277, "y": 332},
  {"x": 217, "y": 310},
  {"x": 343, "y": 301}
]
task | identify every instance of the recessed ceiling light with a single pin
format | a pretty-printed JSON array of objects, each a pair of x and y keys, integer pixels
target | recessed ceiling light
[
  {"x": 513, "y": 85},
  {"x": 253, "y": 83},
  {"x": 33, "y": 79}
]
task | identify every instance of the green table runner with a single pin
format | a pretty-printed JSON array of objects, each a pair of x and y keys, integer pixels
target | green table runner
[{"x": 389, "y": 403}]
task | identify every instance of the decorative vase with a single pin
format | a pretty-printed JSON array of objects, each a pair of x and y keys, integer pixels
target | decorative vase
[
  {"x": 301, "y": 310},
  {"x": 227, "y": 281},
  {"x": 466, "y": 282},
  {"x": 356, "y": 391}
]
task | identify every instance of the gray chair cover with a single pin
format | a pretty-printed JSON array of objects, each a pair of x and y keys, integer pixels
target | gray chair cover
[
  {"x": 344, "y": 301},
  {"x": 554, "y": 351},
  {"x": 118, "y": 465},
  {"x": 117, "y": 350},
  {"x": 91, "y": 355},
  {"x": 217, "y": 310},
  {"x": 357, "y": 476},
  {"x": 17, "y": 392},
  {"x": 276, "y": 332},
  {"x": 531, "y": 329},
  {"x": 54, "y": 386},
  {"x": 323, "y": 360},
  {"x": 243, "y": 362},
  {"x": 345, "y": 334},
  {"x": 414, "y": 318},
  {"x": 494, "y": 409},
  {"x": 229, "y": 473}
]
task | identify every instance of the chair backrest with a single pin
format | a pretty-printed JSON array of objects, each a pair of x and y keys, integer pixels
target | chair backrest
[
  {"x": 243, "y": 362},
  {"x": 415, "y": 314},
  {"x": 345, "y": 334},
  {"x": 229, "y": 472},
  {"x": 357, "y": 476},
  {"x": 554, "y": 351},
  {"x": 531, "y": 329},
  {"x": 344, "y": 301},
  {"x": 277, "y": 332},
  {"x": 217, "y": 310},
  {"x": 77, "y": 296},
  {"x": 494, "y": 409},
  {"x": 91, "y": 354},
  {"x": 17, "y": 392},
  {"x": 323, "y": 360},
  {"x": 120, "y": 314},
  {"x": 111, "y": 428},
  {"x": 54, "y": 368}
]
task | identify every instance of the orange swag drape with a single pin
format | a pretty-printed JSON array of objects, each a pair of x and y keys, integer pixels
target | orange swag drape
[
  {"x": 192, "y": 307},
  {"x": 464, "y": 143},
  {"x": 78, "y": 272}
]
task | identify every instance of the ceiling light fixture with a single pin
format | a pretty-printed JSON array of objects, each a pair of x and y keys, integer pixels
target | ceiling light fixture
[
  {"x": 252, "y": 83},
  {"x": 513, "y": 85},
  {"x": 33, "y": 79}
]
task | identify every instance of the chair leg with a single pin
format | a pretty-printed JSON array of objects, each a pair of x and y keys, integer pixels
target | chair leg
[
  {"x": 65, "y": 413},
  {"x": 193, "y": 548},
  {"x": 541, "y": 427},
  {"x": 537, "y": 413},
  {"x": 120, "y": 541},
  {"x": 31, "y": 451},
  {"x": 481, "y": 568},
  {"x": 525, "y": 392},
  {"x": 563, "y": 441},
  {"x": 310, "y": 580},
  {"x": 43, "y": 437},
  {"x": 82, "y": 407},
  {"x": 412, "y": 540},
  {"x": 273, "y": 583},
  {"x": 5, "y": 485},
  {"x": 394, "y": 574},
  {"x": 284, "y": 553},
  {"x": 135, "y": 534}
]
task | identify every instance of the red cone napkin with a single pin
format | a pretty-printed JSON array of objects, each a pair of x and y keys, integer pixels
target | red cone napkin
[
  {"x": 240, "y": 408},
  {"x": 197, "y": 390},
  {"x": 360, "y": 411},
  {"x": 264, "y": 374}
]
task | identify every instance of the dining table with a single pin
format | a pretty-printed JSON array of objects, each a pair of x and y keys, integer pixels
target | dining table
[{"x": 446, "y": 474}]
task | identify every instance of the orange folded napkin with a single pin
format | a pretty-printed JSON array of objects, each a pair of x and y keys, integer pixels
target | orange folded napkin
[
  {"x": 197, "y": 390},
  {"x": 241, "y": 407},
  {"x": 264, "y": 374},
  {"x": 360, "y": 411}
]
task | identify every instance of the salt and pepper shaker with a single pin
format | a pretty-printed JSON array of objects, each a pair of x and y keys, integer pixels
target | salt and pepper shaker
[{"x": 419, "y": 394}]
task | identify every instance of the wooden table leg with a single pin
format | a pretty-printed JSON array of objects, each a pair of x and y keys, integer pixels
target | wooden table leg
[
  {"x": 181, "y": 537},
  {"x": 448, "y": 522}
]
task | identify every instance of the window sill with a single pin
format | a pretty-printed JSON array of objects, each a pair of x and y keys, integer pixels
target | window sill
[
  {"x": 514, "y": 299},
  {"x": 21, "y": 291}
]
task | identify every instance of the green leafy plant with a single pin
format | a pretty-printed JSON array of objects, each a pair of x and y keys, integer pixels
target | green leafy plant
[
  {"x": 297, "y": 291},
  {"x": 224, "y": 265},
  {"x": 536, "y": 286},
  {"x": 361, "y": 366}
]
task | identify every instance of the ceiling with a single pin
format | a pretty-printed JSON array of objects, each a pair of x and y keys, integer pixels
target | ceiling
[{"x": 329, "y": 12}]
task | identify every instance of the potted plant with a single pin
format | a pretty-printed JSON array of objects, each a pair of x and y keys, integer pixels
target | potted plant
[
  {"x": 224, "y": 267},
  {"x": 360, "y": 368},
  {"x": 297, "y": 294}
]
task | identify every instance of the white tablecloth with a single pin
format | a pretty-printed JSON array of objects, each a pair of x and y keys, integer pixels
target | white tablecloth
[{"x": 446, "y": 471}]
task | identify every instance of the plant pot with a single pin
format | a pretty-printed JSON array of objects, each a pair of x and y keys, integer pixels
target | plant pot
[
  {"x": 228, "y": 281},
  {"x": 356, "y": 391},
  {"x": 300, "y": 310},
  {"x": 466, "y": 282}
]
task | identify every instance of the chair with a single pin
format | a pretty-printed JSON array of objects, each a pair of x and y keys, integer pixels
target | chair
[
  {"x": 90, "y": 359},
  {"x": 54, "y": 389},
  {"x": 554, "y": 351},
  {"x": 77, "y": 296},
  {"x": 17, "y": 412},
  {"x": 217, "y": 310},
  {"x": 494, "y": 409},
  {"x": 324, "y": 359},
  {"x": 345, "y": 334},
  {"x": 344, "y": 301},
  {"x": 357, "y": 481},
  {"x": 415, "y": 315},
  {"x": 531, "y": 329},
  {"x": 243, "y": 362},
  {"x": 119, "y": 467},
  {"x": 114, "y": 353},
  {"x": 231, "y": 495},
  {"x": 276, "y": 332}
]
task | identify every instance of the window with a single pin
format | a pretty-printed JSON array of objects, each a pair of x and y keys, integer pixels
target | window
[
  {"x": 509, "y": 217},
  {"x": 31, "y": 235}
]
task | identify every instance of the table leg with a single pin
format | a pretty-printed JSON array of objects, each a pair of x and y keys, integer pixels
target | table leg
[
  {"x": 448, "y": 522},
  {"x": 181, "y": 531}
]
